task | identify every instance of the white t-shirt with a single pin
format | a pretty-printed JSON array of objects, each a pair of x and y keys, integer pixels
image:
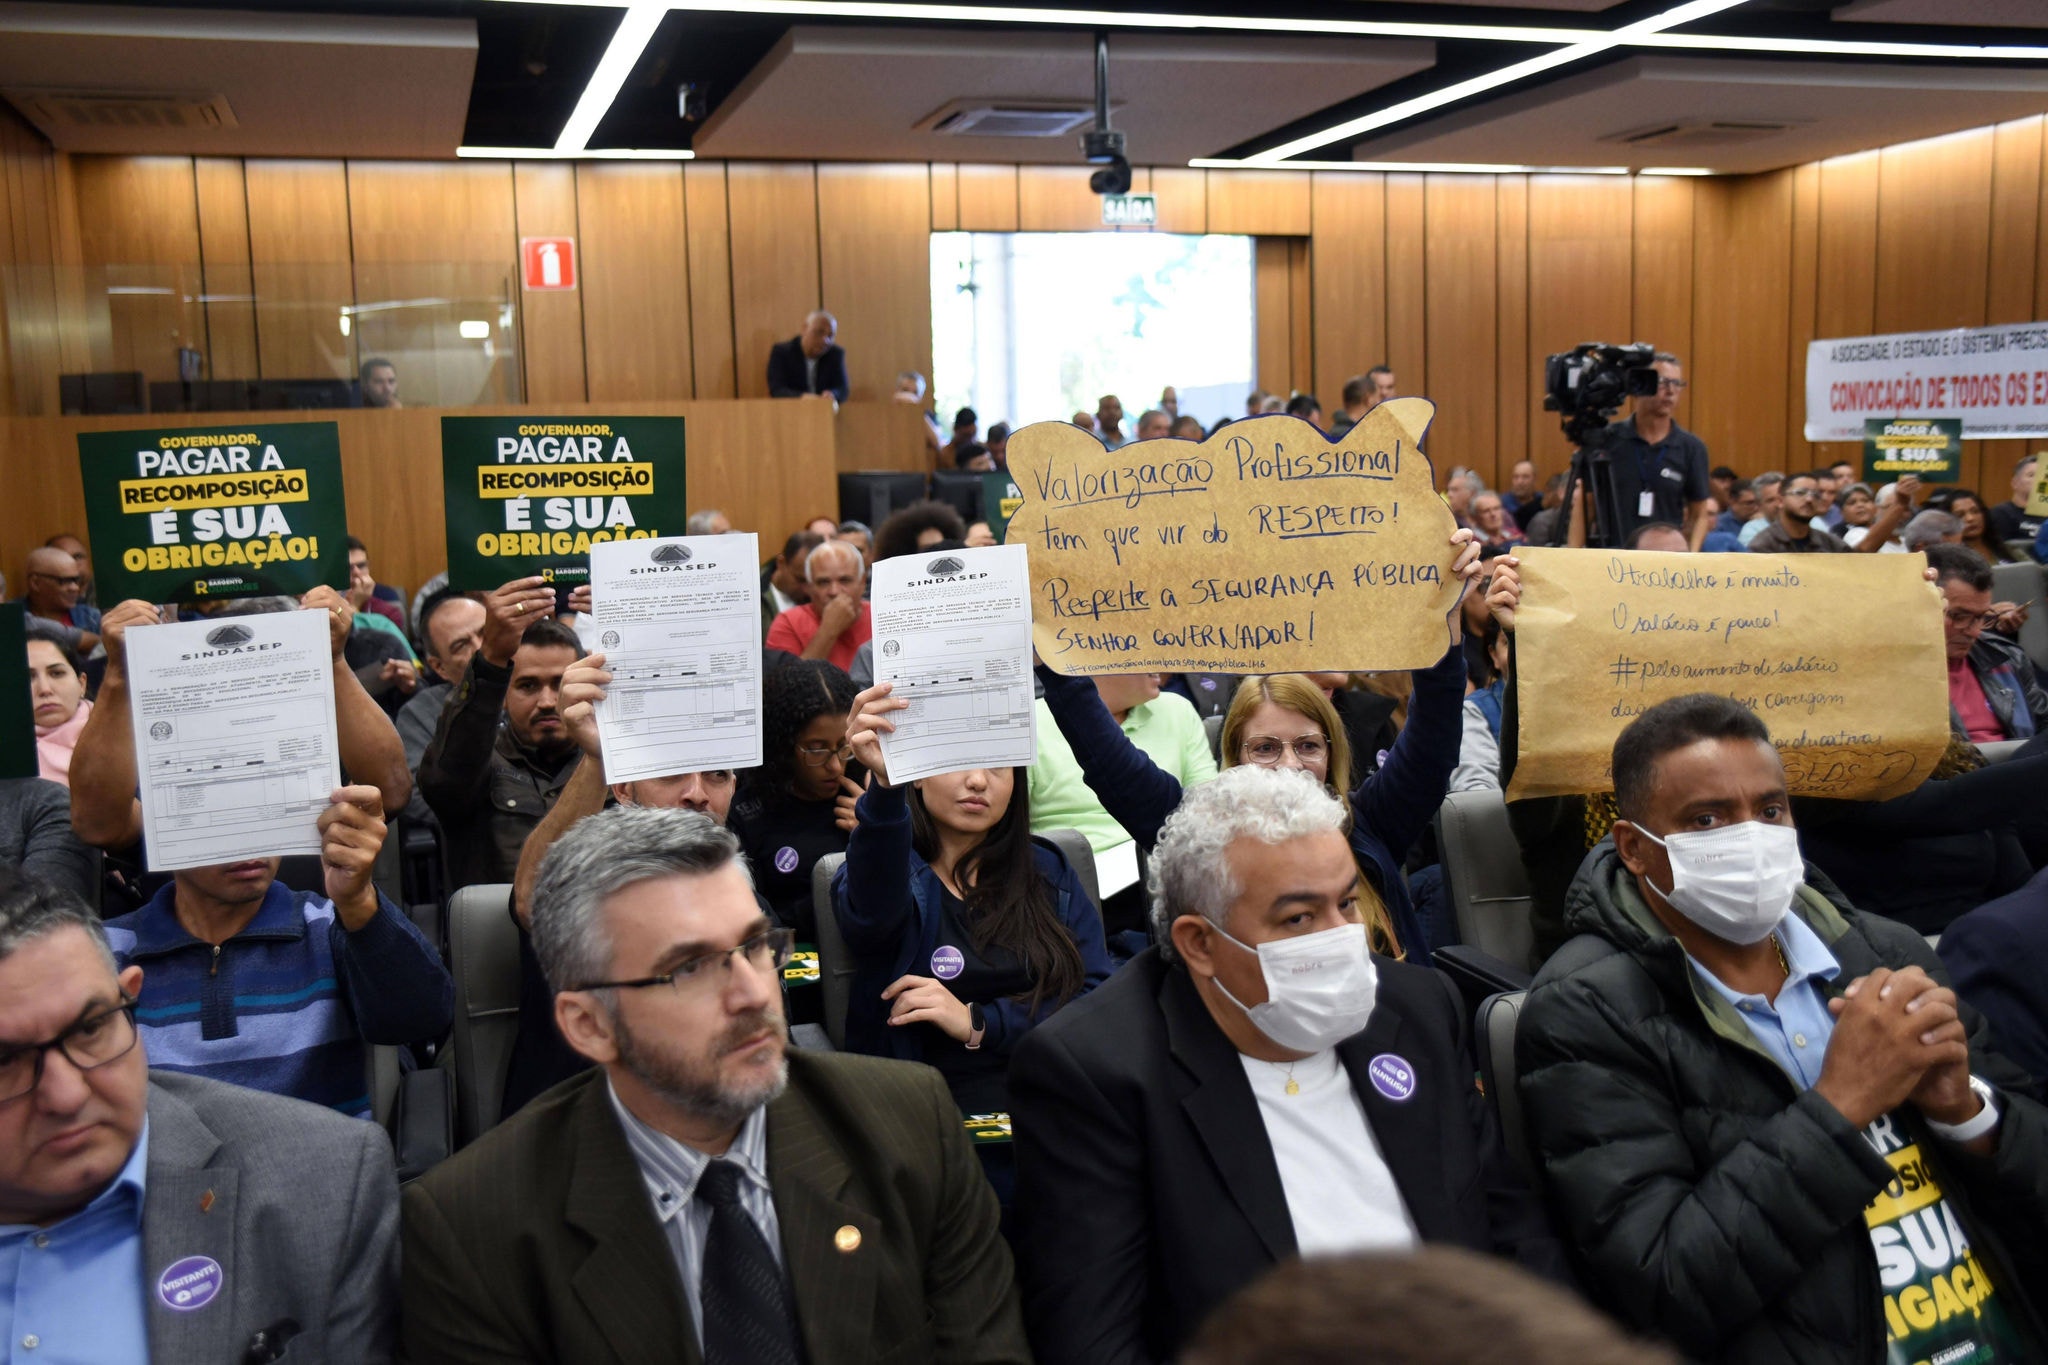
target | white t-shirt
[{"x": 1340, "y": 1194}]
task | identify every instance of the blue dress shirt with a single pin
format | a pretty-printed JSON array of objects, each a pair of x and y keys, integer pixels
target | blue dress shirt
[
  {"x": 72, "y": 1293},
  {"x": 1795, "y": 1028}
]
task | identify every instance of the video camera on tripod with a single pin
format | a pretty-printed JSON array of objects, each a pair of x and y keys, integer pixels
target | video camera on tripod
[{"x": 1586, "y": 386}]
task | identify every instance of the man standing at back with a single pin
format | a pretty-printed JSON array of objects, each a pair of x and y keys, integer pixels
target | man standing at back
[
  {"x": 809, "y": 363},
  {"x": 705, "y": 1194},
  {"x": 1659, "y": 468}
]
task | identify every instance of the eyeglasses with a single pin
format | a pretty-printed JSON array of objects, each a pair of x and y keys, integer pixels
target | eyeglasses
[
  {"x": 1671, "y": 386},
  {"x": 1802, "y": 492},
  {"x": 1960, "y": 618},
  {"x": 817, "y": 754},
  {"x": 95, "y": 1040},
  {"x": 1266, "y": 751},
  {"x": 767, "y": 951},
  {"x": 68, "y": 580}
]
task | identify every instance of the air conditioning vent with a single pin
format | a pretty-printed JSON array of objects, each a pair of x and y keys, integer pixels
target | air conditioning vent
[
  {"x": 1701, "y": 133},
  {"x": 68, "y": 110},
  {"x": 1007, "y": 118}
]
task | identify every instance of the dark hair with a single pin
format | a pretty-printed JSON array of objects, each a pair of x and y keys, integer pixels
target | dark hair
[
  {"x": 1436, "y": 1305},
  {"x": 966, "y": 418},
  {"x": 1379, "y": 370},
  {"x": 1945, "y": 500},
  {"x": 1739, "y": 487},
  {"x": 1009, "y": 905},
  {"x": 375, "y": 362},
  {"x": 354, "y": 544},
  {"x": 1355, "y": 389},
  {"x": 1667, "y": 727},
  {"x": 898, "y": 535},
  {"x": 1959, "y": 564},
  {"x": 799, "y": 544},
  {"x": 548, "y": 633},
  {"x": 428, "y": 609},
  {"x": 1722, "y": 471},
  {"x": 968, "y": 452},
  {"x": 1302, "y": 404},
  {"x": 999, "y": 432},
  {"x": 50, "y": 633},
  {"x": 1479, "y": 654},
  {"x": 31, "y": 908},
  {"x": 792, "y": 697},
  {"x": 1635, "y": 537}
]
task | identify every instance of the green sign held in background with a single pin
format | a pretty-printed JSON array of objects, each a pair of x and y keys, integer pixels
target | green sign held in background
[
  {"x": 531, "y": 495},
  {"x": 1000, "y": 498},
  {"x": 1931, "y": 447},
  {"x": 17, "y": 709},
  {"x": 195, "y": 513}
]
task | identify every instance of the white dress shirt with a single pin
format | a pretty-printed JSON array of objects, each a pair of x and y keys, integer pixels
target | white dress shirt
[{"x": 1340, "y": 1194}]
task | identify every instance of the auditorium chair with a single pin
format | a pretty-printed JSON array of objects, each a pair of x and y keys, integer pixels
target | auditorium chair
[
  {"x": 483, "y": 956},
  {"x": 1495, "y": 1035},
  {"x": 1489, "y": 893},
  {"x": 2021, "y": 583},
  {"x": 1214, "y": 725}
]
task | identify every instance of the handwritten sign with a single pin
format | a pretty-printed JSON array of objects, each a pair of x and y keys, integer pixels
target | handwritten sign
[
  {"x": 1267, "y": 548},
  {"x": 1602, "y": 636}
]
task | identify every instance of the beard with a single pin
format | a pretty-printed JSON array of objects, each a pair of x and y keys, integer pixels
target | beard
[{"x": 692, "y": 1084}]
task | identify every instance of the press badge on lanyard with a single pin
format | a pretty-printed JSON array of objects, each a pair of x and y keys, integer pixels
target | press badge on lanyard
[{"x": 1646, "y": 503}]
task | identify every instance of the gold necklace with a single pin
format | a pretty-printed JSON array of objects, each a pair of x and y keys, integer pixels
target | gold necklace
[
  {"x": 1783, "y": 965},
  {"x": 1293, "y": 1086}
]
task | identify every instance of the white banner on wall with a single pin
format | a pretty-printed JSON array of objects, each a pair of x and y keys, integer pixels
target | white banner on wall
[{"x": 1994, "y": 378}]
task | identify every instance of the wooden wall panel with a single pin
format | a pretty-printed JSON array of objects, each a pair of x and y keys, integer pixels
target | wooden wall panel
[
  {"x": 710, "y": 239},
  {"x": 2009, "y": 285},
  {"x": 988, "y": 199},
  {"x": 1845, "y": 273},
  {"x": 1301, "y": 336},
  {"x": 1273, "y": 313},
  {"x": 1263, "y": 203},
  {"x": 636, "y": 280},
  {"x": 1513, "y": 379},
  {"x": 1053, "y": 199},
  {"x": 1183, "y": 196},
  {"x": 43, "y": 319},
  {"x": 1934, "y": 232},
  {"x": 420, "y": 231},
  {"x": 139, "y": 222},
  {"x": 773, "y": 208},
  {"x": 1661, "y": 282},
  {"x": 875, "y": 262},
  {"x": 1579, "y": 282},
  {"x": 299, "y": 254},
  {"x": 1799, "y": 317},
  {"x": 1348, "y": 251},
  {"x": 1463, "y": 336},
  {"x": 230, "y": 297},
  {"x": 550, "y": 320},
  {"x": 1407, "y": 290},
  {"x": 1741, "y": 386},
  {"x": 945, "y": 192}
]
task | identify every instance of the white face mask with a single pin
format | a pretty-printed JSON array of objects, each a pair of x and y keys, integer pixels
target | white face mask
[
  {"x": 1319, "y": 987},
  {"x": 1735, "y": 882}
]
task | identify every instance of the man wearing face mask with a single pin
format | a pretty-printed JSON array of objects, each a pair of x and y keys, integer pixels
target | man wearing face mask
[
  {"x": 1256, "y": 1086},
  {"x": 1774, "y": 1133}
]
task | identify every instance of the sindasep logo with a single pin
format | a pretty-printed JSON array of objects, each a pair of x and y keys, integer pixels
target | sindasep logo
[
  {"x": 944, "y": 567},
  {"x": 231, "y": 639},
  {"x": 671, "y": 559}
]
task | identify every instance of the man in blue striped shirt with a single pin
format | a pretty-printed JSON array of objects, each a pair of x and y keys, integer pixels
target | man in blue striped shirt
[{"x": 250, "y": 982}]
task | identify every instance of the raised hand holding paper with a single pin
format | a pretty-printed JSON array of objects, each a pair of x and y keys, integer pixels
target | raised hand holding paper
[
  {"x": 1603, "y": 635},
  {"x": 953, "y": 633},
  {"x": 1267, "y": 548},
  {"x": 678, "y": 621},
  {"x": 235, "y": 746}
]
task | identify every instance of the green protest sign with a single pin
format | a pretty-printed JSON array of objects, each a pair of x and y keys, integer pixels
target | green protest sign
[
  {"x": 1931, "y": 447},
  {"x": 17, "y": 709},
  {"x": 1000, "y": 499},
  {"x": 531, "y": 495},
  {"x": 194, "y": 513}
]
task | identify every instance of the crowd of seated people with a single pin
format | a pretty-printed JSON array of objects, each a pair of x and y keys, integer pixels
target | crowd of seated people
[{"x": 1209, "y": 1115}]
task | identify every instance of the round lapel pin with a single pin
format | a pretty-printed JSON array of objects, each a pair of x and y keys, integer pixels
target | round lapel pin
[
  {"x": 947, "y": 962},
  {"x": 847, "y": 1239},
  {"x": 189, "y": 1284},
  {"x": 1391, "y": 1076}
]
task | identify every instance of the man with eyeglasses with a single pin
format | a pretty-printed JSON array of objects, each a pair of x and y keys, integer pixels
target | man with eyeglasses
[
  {"x": 54, "y": 592},
  {"x": 540, "y": 1057},
  {"x": 1660, "y": 468},
  {"x": 706, "y": 1193},
  {"x": 1797, "y": 529},
  {"x": 1993, "y": 691},
  {"x": 147, "y": 1215}
]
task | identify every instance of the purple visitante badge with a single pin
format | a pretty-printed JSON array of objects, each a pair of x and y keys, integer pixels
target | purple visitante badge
[
  {"x": 785, "y": 860},
  {"x": 1391, "y": 1076},
  {"x": 947, "y": 962},
  {"x": 188, "y": 1284}
]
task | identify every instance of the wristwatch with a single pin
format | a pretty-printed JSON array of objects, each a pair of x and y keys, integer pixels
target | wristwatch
[
  {"x": 977, "y": 1023},
  {"x": 1972, "y": 1128}
]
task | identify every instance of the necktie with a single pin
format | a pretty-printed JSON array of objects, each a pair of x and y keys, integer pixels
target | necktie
[{"x": 748, "y": 1316}]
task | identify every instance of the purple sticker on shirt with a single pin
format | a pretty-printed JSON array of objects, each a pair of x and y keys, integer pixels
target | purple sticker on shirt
[
  {"x": 947, "y": 962},
  {"x": 785, "y": 860},
  {"x": 1391, "y": 1076},
  {"x": 188, "y": 1284}
]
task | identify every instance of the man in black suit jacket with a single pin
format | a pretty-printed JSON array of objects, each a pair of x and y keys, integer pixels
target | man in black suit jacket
[
  {"x": 808, "y": 363},
  {"x": 1253, "y": 1087},
  {"x": 701, "y": 1195}
]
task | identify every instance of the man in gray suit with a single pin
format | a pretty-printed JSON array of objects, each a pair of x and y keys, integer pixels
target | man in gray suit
[{"x": 168, "y": 1217}]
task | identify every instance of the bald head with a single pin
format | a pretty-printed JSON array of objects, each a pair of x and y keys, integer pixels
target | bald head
[
  {"x": 54, "y": 581},
  {"x": 820, "y": 328}
]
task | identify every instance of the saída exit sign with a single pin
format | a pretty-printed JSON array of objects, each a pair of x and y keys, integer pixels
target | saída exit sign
[{"x": 1129, "y": 210}]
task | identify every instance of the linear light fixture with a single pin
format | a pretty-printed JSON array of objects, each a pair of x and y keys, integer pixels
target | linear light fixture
[
  {"x": 635, "y": 31},
  {"x": 1447, "y": 167},
  {"x": 587, "y": 154}
]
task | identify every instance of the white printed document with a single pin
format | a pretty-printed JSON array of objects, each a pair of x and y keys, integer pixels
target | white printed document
[
  {"x": 234, "y": 736},
  {"x": 678, "y": 620},
  {"x": 953, "y": 633}
]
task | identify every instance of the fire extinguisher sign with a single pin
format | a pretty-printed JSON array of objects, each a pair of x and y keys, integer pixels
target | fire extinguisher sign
[{"x": 548, "y": 262}]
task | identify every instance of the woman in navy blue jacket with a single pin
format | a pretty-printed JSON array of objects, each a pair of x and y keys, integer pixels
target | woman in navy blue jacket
[
  {"x": 967, "y": 931},
  {"x": 1389, "y": 808}
]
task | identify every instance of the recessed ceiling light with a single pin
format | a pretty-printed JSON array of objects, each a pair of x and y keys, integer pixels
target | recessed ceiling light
[
  {"x": 474, "y": 329},
  {"x": 636, "y": 29},
  {"x": 587, "y": 154},
  {"x": 1425, "y": 167}
]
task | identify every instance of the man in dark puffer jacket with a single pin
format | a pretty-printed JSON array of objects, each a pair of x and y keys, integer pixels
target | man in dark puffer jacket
[{"x": 1761, "y": 1117}]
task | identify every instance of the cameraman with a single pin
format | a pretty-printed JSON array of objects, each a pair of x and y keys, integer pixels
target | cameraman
[{"x": 1659, "y": 468}]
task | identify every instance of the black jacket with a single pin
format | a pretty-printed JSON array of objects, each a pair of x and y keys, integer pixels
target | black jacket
[
  {"x": 1706, "y": 1197},
  {"x": 788, "y": 378},
  {"x": 1147, "y": 1192}
]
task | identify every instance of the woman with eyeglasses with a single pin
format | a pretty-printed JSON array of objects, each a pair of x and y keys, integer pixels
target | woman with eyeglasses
[
  {"x": 1390, "y": 807},
  {"x": 798, "y": 805},
  {"x": 966, "y": 930}
]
